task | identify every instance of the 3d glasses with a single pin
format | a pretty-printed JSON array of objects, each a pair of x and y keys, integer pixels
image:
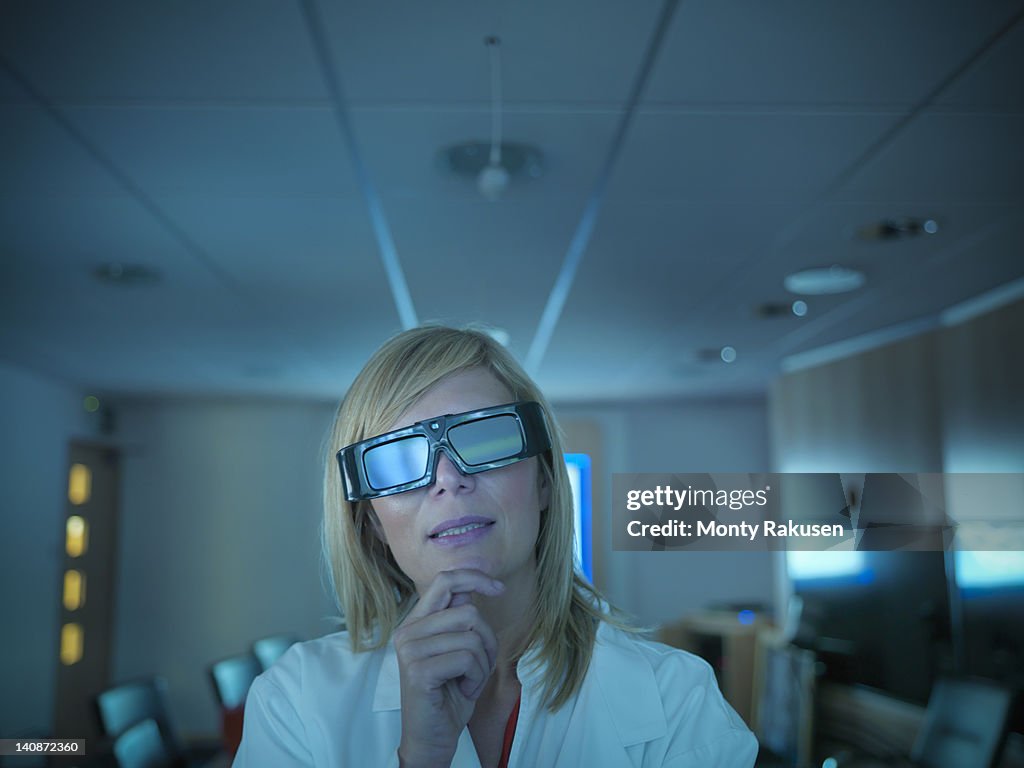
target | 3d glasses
[{"x": 475, "y": 441}]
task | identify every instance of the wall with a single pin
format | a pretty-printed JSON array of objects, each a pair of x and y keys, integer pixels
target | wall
[
  {"x": 683, "y": 436},
  {"x": 981, "y": 370},
  {"x": 875, "y": 412},
  {"x": 219, "y": 539},
  {"x": 41, "y": 415},
  {"x": 945, "y": 401}
]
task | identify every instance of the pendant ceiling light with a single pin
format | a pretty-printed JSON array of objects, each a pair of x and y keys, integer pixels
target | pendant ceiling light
[
  {"x": 495, "y": 164},
  {"x": 493, "y": 178}
]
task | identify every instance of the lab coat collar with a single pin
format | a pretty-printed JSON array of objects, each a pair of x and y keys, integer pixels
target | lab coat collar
[
  {"x": 626, "y": 680},
  {"x": 388, "y": 695},
  {"x": 623, "y": 678}
]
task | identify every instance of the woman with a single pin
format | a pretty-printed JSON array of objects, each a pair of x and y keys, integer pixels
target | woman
[{"x": 471, "y": 640}]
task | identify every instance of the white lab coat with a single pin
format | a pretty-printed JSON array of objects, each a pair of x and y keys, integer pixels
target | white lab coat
[{"x": 641, "y": 704}]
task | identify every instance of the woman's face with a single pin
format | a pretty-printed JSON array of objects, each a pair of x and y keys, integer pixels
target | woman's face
[{"x": 492, "y": 518}]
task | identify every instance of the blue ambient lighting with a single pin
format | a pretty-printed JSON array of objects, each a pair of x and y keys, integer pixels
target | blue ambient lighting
[
  {"x": 805, "y": 566},
  {"x": 989, "y": 570},
  {"x": 578, "y": 466}
]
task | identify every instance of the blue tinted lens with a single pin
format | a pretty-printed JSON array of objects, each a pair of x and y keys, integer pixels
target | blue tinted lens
[
  {"x": 486, "y": 440},
  {"x": 396, "y": 463}
]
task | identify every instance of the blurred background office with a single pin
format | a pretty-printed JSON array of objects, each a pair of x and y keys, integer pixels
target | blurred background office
[{"x": 724, "y": 237}]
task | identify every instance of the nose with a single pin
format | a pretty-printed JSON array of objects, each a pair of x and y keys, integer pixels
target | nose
[{"x": 449, "y": 479}]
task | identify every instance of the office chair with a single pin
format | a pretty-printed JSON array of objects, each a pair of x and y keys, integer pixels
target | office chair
[
  {"x": 128, "y": 704},
  {"x": 965, "y": 725},
  {"x": 269, "y": 649},
  {"x": 232, "y": 677},
  {"x": 231, "y": 680},
  {"x": 143, "y": 746}
]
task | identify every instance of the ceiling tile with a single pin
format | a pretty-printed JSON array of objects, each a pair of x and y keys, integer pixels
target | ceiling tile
[
  {"x": 995, "y": 81},
  {"x": 947, "y": 158},
  {"x": 744, "y": 157},
  {"x": 801, "y": 52},
  {"x": 118, "y": 51},
  {"x": 435, "y": 53},
  {"x": 230, "y": 151},
  {"x": 39, "y": 157}
]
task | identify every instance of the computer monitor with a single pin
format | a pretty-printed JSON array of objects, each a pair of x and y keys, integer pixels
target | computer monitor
[{"x": 578, "y": 466}]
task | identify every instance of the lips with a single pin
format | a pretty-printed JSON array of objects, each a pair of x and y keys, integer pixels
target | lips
[{"x": 459, "y": 526}]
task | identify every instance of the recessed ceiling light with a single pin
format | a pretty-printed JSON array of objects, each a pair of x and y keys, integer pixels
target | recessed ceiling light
[
  {"x": 781, "y": 309},
  {"x": 772, "y": 309},
  {"x": 728, "y": 354},
  {"x": 708, "y": 355},
  {"x": 824, "y": 280},
  {"x": 898, "y": 229},
  {"x": 119, "y": 273}
]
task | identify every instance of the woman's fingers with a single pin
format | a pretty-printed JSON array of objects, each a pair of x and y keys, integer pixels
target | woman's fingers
[
  {"x": 463, "y": 667},
  {"x": 448, "y": 584},
  {"x": 445, "y": 608},
  {"x": 435, "y": 646},
  {"x": 463, "y": 618},
  {"x": 446, "y": 653}
]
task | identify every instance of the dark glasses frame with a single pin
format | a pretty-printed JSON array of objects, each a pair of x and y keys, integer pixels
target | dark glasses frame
[{"x": 529, "y": 417}]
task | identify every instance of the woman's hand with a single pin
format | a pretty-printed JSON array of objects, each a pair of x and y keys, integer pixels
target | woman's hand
[{"x": 445, "y": 652}]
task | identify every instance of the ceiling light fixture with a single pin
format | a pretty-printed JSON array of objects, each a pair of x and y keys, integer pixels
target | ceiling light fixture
[
  {"x": 118, "y": 273},
  {"x": 824, "y": 280},
  {"x": 714, "y": 355},
  {"x": 772, "y": 310},
  {"x": 493, "y": 165},
  {"x": 902, "y": 228},
  {"x": 493, "y": 179}
]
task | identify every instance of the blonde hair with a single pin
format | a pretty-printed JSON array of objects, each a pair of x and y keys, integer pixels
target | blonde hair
[{"x": 372, "y": 591}]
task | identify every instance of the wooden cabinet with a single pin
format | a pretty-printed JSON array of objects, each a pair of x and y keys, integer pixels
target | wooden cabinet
[{"x": 726, "y": 643}]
